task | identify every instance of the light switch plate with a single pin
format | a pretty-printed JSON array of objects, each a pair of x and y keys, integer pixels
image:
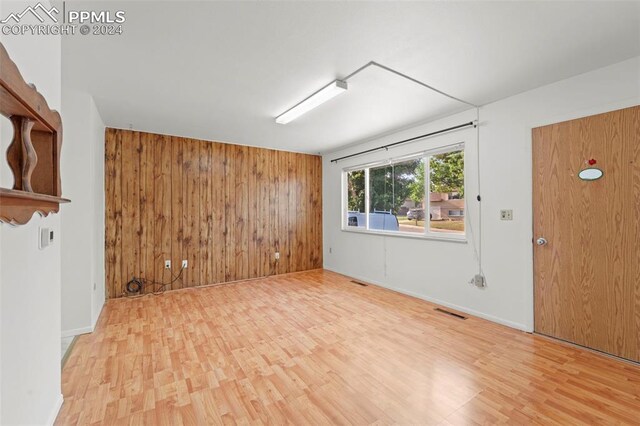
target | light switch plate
[{"x": 506, "y": 214}]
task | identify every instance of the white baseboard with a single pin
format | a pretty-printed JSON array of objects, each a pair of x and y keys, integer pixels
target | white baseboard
[
  {"x": 83, "y": 330},
  {"x": 95, "y": 320},
  {"x": 77, "y": 331},
  {"x": 517, "y": 326},
  {"x": 56, "y": 410}
]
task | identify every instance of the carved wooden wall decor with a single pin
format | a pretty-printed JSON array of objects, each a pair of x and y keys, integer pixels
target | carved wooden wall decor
[{"x": 34, "y": 153}]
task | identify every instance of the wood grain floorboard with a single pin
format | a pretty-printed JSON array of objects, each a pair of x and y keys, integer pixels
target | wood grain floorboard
[{"x": 314, "y": 348}]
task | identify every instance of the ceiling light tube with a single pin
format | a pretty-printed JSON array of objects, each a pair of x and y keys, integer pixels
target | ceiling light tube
[{"x": 321, "y": 96}]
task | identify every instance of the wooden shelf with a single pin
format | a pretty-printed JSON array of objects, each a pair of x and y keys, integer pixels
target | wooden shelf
[
  {"x": 34, "y": 152},
  {"x": 17, "y": 207}
]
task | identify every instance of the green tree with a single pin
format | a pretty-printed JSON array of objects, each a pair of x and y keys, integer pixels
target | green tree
[
  {"x": 416, "y": 188},
  {"x": 390, "y": 186},
  {"x": 355, "y": 190},
  {"x": 446, "y": 172}
]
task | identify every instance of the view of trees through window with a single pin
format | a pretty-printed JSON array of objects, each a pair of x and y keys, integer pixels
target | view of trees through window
[
  {"x": 397, "y": 195},
  {"x": 355, "y": 198},
  {"x": 356, "y": 190}
]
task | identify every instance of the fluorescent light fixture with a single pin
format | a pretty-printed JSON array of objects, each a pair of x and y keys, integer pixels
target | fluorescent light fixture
[{"x": 321, "y": 96}]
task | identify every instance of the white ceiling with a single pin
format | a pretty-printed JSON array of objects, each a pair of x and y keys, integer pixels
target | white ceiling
[{"x": 223, "y": 70}]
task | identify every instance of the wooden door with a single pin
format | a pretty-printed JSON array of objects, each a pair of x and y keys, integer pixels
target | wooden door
[{"x": 587, "y": 275}]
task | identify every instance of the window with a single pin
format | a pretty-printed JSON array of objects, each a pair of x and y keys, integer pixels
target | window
[{"x": 392, "y": 197}]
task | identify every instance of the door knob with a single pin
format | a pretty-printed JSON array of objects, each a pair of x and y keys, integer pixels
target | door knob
[{"x": 541, "y": 241}]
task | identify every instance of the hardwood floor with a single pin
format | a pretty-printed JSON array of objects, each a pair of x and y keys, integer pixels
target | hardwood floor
[{"x": 314, "y": 348}]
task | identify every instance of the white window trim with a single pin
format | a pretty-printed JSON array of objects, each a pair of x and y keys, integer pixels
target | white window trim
[{"x": 428, "y": 234}]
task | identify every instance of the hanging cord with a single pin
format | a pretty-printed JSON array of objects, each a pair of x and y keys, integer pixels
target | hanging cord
[
  {"x": 393, "y": 189},
  {"x": 477, "y": 248},
  {"x": 403, "y": 75},
  {"x": 480, "y": 271}
]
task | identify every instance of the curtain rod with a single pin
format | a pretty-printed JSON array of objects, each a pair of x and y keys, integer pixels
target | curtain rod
[{"x": 426, "y": 135}]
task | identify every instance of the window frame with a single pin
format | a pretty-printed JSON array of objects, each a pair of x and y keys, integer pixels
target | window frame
[{"x": 427, "y": 232}]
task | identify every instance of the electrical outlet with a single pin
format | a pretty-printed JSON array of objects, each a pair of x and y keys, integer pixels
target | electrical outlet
[
  {"x": 277, "y": 255},
  {"x": 330, "y": 250},
  {"x": 167, "y": 264},
  {"x": 506, "y": 214},
  {"x": 184, "y": 264},
  {"x": 94, "y": 286}
]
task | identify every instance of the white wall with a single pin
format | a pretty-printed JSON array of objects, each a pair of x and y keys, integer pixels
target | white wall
[
  {"x": 29, "y": 277},
  {"x": 97, "y": 254},
  {"x": 439, "y": 271},
  {"x": 83, "y": 222}
]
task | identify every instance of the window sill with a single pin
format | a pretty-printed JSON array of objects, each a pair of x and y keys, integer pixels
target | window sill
[{"x": 448, "y": 238}]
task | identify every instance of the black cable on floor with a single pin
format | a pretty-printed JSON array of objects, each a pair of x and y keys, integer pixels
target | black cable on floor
[{"x": 137, "y": 285}]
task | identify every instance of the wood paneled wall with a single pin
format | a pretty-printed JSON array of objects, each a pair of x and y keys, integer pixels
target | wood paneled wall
[{"x": 225, "y": 208}]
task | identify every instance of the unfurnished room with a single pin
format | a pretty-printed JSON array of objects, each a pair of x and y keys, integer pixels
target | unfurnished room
[{"x": 319, "y": 212}]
